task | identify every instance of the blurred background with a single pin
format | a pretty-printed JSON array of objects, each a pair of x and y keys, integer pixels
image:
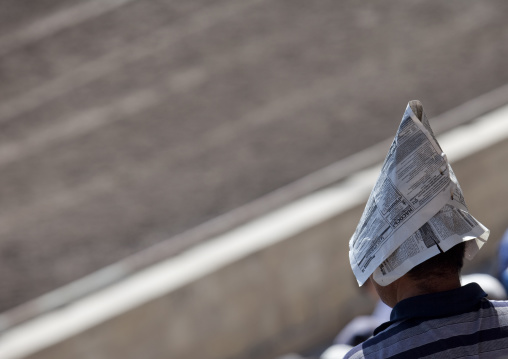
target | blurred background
[{"x": 125, "y": 123}]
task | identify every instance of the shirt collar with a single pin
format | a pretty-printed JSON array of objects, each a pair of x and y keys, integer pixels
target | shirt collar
[{"x": 441, "y": 304}]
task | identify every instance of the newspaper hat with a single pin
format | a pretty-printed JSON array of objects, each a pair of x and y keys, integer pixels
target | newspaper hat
[{"x": 416, "y": 209}]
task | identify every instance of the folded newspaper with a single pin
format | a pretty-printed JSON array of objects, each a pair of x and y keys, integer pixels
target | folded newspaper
[{"x": 416, "y": 209}]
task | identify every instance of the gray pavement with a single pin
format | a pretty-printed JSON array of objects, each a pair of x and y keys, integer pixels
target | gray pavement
[{"x": 127, "y": 122}]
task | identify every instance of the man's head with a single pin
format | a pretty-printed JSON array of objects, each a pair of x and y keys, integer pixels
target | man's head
[{"x": 437, "y": 274}]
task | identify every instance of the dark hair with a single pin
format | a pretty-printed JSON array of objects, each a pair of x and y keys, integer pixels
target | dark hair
[{"x": 443, "y": 264}]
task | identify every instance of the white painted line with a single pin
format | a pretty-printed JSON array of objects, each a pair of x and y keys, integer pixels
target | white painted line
[
  {"x": 185, "y": 268},
  {"x": 201, "y": 260},
  {"x": 483, "y": 133}
]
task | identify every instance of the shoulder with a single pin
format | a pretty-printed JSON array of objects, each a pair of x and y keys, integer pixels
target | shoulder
[
  {"x": 408, "y": 337},
  {"x": 355, "y": 353},
  {"x": 498, "y": 308},
  {"x": 500, "y": 304},
  {"x": 377, "y": 345}
]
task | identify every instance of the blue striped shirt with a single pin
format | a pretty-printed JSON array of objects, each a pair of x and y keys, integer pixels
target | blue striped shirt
[{"x": 459, "y": 323}]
